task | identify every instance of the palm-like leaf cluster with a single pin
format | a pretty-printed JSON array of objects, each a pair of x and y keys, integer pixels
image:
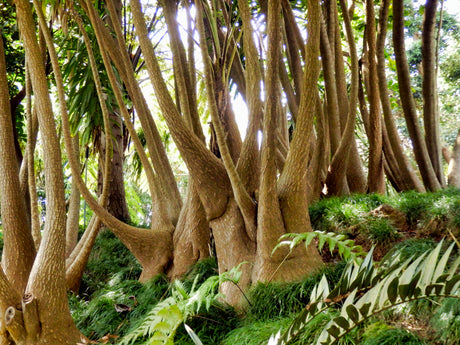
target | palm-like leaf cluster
[{"x": 366, "y": 290}]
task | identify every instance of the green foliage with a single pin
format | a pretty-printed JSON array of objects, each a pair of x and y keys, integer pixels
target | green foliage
[
  {"x": 109, "y": 257},
  {"x": 381, "y": 232},
  {"x": 430, "y": 214},
  {"x": 412, "y": 247},
  {"x": 446, "y": 321},
  {"x": 382, "y": 334},
  {"x": 352, "y": 216},
  {"x": 337, "y": 213},
  {"x": 118, "y": 307},
  {"x": 199, "y": 272},
  {"x": 84, "y": 108},
  {"x": 255, "y": 333},
  {"x": 278, "y": 299},
  {"x": 210, "y": 326},
  {"x": 366, "y": 290},
  {"x": 162, "y": 322},
  {"x": 421, "y": 208},
  {"x": 345, "y": 247}
]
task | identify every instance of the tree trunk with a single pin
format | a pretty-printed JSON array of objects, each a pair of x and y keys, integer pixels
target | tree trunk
[
  {"x": 376, "y": 176},
  {"x": 46, "y": 315},
  {"x": 453, "y": 172},
  {"x": 422, "y": 157},
  {"x": 407, "y": 177},
  {"x": 429, "y": 89},
  {"x": 192, "y": 235},
  {"x": 73, "y": 214},
  {"x": 116, "y": 205},
  {"x": 19, "y": 250}
]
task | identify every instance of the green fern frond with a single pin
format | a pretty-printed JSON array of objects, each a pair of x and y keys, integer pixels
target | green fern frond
[
  {"x": 161, "y": 323},
  {"x": 345, "y": 247}
]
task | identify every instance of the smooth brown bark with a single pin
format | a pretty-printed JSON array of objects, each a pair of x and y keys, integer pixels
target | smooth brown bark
[
  {"x": 376, "y": 181},
  {"x": 429, "y": 89},
  {"x": 73, "y": 213},
  {"x": 402, "y": 170},
  {"x": 422, "y": 157}
]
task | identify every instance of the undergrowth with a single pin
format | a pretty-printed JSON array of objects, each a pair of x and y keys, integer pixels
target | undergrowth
[
  {"x": 278, "y": 299},
  {"x": 382, "y": 334},
  {"x": 112, "y": 303},
  {"x": 109, "y": 256}
]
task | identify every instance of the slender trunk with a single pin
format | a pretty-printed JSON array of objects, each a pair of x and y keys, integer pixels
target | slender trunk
[
  {"x": 116, "y": 205},
  {"x": 408, "y": 179},
  {"x": 422, "y": 157},
  {"x": 46, "y": 286},
  {"x": 376, "y": 176},
  {"x": 429, "y": 89},
  {"x": 453, "y": 172},
  {"x": 73, "y": 213},
  {"x": 18, "y": 250}
]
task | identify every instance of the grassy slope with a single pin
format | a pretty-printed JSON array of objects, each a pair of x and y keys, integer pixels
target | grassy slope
[{"x": 112, "y": 303}]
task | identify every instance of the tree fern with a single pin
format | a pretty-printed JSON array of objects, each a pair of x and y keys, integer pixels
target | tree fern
[{"x": 365, "y": 290}]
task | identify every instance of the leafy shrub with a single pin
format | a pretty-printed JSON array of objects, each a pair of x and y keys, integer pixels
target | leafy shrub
[
  {"x": 381, "y": 232},
  {"x": 161, "y": 323},
  {"x": 337, "y": 213},
  {"x": 367, "y": 289},
  {"x": 446, "y": 321},
  {"x": 423, "y": 208},
  {"x": 414, "y": 205}
]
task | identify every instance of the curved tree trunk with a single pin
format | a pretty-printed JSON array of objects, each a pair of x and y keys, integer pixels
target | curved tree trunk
[
  {"x": 408, "y": 179},
  {"x": 192, "y": 236},
  {"x": 18, "y": 250},
  {"x": 422, "y": 157},
  {"x": 46, "y": 316}
]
